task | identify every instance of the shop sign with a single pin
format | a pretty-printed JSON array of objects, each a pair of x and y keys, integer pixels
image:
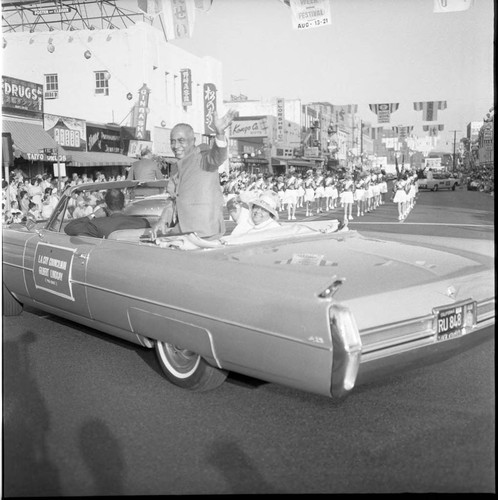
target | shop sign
[
  {"x": 70, "y": 133},
  {"x": 308, "y": 152},
  {"x": 143, "y": 103},
  {"x": 310, "y": 13},
  {"x": 255, "y": 127},
  {"x": 209, "y": 108},
  {"x": 280, "y": 119},
  {"x": 22, "y": 97},
  {"x": 186, "y": 76},
  {"x": 103, "y": 139},
  {"x": 43, "y": 156}
]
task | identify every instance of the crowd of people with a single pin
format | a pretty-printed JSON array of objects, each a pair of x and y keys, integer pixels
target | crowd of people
[
  {"x": 484, "y": 177},
  {"x": 36, "y": 197}
]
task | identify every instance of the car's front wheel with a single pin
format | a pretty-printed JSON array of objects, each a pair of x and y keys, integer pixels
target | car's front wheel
[
  {"x": 453, "y": 187},
  {"x": 187, "y": 369},
  {"x": 435, "y": 188}
]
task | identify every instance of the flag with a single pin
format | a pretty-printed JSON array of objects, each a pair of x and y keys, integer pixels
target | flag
[
  {"x": 433, "y": 129},
  {"x": 383, "y": 111},
  {"x": 430, "y": 109},
  {"x": 178, "y": 17},
  {"x": 442, "y": 6},
  {"x": 307, "y": 14}
]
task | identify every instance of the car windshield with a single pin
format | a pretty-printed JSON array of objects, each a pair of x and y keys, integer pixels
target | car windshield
[{"x": 86, "y": 199}]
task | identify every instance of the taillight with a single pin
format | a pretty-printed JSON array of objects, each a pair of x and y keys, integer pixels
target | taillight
[{"x": 346, "y": 350}]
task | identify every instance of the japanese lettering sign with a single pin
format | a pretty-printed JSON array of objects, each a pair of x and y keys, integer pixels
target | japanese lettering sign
[
  {"x": 186, "y": 76},
  {"x": 70, "y": 133},
  {"x": 209, "y": 108}
]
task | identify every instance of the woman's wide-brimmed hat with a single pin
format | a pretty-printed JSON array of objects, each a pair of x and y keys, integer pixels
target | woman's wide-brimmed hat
[{"x": 268, "y": 202}]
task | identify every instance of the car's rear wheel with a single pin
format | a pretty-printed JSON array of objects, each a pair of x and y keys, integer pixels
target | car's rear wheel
[
  {"x": 187, "y": 369},
  {"x": 435, "y": 188},
  {"x": 10, "y": 305},
  {"x": 453, "y": 187}
]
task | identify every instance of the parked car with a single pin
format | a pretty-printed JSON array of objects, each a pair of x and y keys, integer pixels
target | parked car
[
  {"x": 302, "y": 305},
  {"x": 440, "y": 180}
]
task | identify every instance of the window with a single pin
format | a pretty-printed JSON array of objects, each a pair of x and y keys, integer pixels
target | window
[
  {"x": 101, "y": 82},
  {"x": 51, "y": 86}
]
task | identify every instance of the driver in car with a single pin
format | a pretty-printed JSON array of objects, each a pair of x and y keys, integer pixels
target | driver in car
[{"x": 102, "y": 227}]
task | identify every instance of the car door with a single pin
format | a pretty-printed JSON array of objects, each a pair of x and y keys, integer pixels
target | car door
[{"x": 55, "y": 267}]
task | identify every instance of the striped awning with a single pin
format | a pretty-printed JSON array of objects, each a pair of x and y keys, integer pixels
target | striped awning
[
  {"x": 28, "y": 138},
  {"x": 95, "y": 159}
]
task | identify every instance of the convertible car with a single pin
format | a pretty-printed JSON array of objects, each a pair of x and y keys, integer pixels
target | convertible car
[
  {"x": 440, "y": 180},
  {"x": 304, "y": 305}
]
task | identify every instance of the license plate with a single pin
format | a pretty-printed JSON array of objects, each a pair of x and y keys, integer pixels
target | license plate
[{"x": 455, "y": 320}]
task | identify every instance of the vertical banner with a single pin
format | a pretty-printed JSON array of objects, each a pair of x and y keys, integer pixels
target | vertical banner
[
  {"x": 141, "y": 119},
  {"x": 209, "y": 108},
  {"x": 310, "y": 13},
  {"x": 383, "y": 111},
  {"x": 429, "y": 109},
  {"x": 280, "y": 119},
  {"x": 186, "y": 77},
  {"x": 442, "y": 6},
  {"x": 178, "y": 18}
]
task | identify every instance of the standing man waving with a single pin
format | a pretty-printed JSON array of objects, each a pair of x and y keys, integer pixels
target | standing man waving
[{"x": 194, "y": 184}]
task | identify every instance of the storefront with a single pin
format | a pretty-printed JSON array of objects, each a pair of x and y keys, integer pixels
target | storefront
[{"x": 34, "y": 151}]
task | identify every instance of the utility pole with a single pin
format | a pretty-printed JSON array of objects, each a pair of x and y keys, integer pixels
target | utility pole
[{"x": 454, "y": 148}]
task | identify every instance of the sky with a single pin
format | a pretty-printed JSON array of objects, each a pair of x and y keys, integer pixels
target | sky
[{"x": 374, "y": 51}]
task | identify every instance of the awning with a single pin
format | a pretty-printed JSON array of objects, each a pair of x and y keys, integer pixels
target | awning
[
  {"x": 292, "y": 161},
  {"x": 30, "y": 139},
  {"x": 95, "y": 159}
]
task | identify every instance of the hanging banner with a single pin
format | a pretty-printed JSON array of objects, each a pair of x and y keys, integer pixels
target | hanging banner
[
  {"x": 403, "y": 131},
  {"x": 309, "y": 13},
  {"x": 186, "y": 77},
  {"x": 383, "y": 111},
  {"x": 70, "y": 133},
  {"x": 430, "y": 109},
  {"x": 141, "y": 118},
  {"x": 433, "y": 129},
  {"x": 209, "y": 108},
  {"x": 280, "y": 120},
  {"x": 442, "y": 6},
  {"x": 178, "y": 18}
]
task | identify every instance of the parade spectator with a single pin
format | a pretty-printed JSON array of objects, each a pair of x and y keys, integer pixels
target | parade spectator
[
  {"x": 49, "y": 202},
  {"x": 24, "y": 202},
  {"x": 102, "y": 227},
  {"x": 194, "y": 184}
]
